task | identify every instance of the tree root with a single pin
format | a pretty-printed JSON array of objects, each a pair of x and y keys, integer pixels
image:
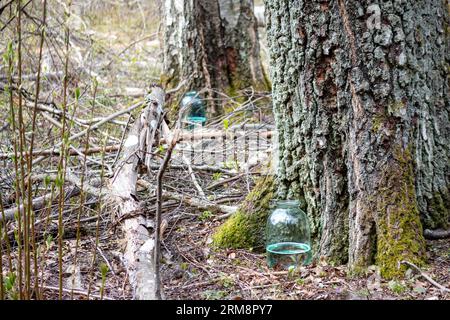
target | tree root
[{"x": 436, "y": 234}]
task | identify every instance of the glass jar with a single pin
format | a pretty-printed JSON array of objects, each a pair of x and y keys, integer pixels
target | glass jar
[
  {"x": 288, "y": 241},
  {"x": 196, "y": 111}
]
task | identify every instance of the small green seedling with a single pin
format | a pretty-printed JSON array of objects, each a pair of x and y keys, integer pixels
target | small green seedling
[
  {"x": 217, "y": 175},
  {"x": 205, "y": 215},
  {"x": 226, "y": 124},
  {"x": 104, "y": 271}
]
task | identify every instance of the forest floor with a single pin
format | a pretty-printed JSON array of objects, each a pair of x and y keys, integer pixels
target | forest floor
[
  {"x": 126, "y": 60},
  {"x": 193, "y": 269}
]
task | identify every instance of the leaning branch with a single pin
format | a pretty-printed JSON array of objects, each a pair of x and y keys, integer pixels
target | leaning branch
[{"x": 426, "y": 276}]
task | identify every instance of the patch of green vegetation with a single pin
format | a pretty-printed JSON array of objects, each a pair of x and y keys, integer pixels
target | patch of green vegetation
[
  {"x": 194, "y": 271},
  {"x": 237, "y": 262},
  {"x": 363, "y": 293},
  {"x": 357, "y": 271},
  {"x": 226, "y": 281},
  {"x": 395, "y": 106},
  {"x": 231, "y": 164},
  {"x": 226, "y": 124},
  {"x": 184, "y": 266},
  {"x": 377, "y": 123},
  {"x": 9, "y": 286},
  {"x": 206, "y": 215},
  {"x": 214, "y": 294},
  {"x": 396, "y": 287},
  {"x": 104, "y": 271},
  {"x": 291, "y": 271}
]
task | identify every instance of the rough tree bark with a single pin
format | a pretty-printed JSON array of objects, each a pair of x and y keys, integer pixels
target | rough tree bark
[
  {"x": 361, "y": 104},
  {"x": 214, "y": 44}
]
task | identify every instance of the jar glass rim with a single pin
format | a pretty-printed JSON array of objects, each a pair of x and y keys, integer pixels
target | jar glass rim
[{"x": 292, "y": 202}]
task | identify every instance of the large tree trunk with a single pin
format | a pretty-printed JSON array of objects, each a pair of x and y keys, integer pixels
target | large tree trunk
[
  {"x": 361, "y": 104},
  {"x": 214, "y": 44}
]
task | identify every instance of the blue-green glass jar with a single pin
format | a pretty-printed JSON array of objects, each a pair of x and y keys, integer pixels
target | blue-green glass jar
[
  {"x": 288, "y": 240},
  {"x": 196, "y": 110}
]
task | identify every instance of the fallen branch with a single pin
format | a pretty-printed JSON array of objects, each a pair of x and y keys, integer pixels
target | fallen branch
[
  {"x": 193, "y": 178},
  {"x": 50, "y": 76},
  {"x": 93, "y": 127},
  {"x": 198, "y": 168},
  {"x": 220, "y": 133},
  {"x": 140, "y": 246},
  {"x": 224, "y": 181},
  {"x": 70, "y": 152},
  {"x": 426, "y": 276},
  {"x": 182, "y": 137},
  {"x": 78, "y": 292},
  {"x": 199, "y": 203},
  {"x": 39, "y": 202},
  {"x": 73, "y": 179},
  {"x": 192, "y": 201}
]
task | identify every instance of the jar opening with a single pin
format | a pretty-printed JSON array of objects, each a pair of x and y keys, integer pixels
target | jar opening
[{"x": 287, "y": 203}]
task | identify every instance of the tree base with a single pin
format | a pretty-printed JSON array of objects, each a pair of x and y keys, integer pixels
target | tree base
[{"x": 245, "y": 228}]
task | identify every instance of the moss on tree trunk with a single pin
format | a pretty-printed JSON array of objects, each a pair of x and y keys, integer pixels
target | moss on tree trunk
[
  {"x": 399, "y": 231},
  {"x": 245, "y": 228}
]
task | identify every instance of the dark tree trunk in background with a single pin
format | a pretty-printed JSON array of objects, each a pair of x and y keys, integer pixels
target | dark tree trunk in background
[
  {"x": 361, "y": 104},
  {"x": 213, "y": 43}
]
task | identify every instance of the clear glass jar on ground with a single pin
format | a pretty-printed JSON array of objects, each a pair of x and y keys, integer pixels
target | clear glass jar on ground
[{"x": 288, "y": 240}]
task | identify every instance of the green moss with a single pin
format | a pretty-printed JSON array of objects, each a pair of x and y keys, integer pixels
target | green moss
[
  {"x": 166, "y": 81},
  {"x": 245, "y": 229},
  {"x": 399, "y": 231},
  {"x": 234, "y": 233},
  {"x": 233, "y": 90},
  {"x": 358, "y": 271},
  {"x": 438, "y": 211},
  {"x": 397, "y": 287}
]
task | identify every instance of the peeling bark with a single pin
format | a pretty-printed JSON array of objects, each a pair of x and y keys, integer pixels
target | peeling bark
[
  {"x": 214, "y": 44},
  {"x": 140, "y": 243},
  {"x": 361, "y": 104}
]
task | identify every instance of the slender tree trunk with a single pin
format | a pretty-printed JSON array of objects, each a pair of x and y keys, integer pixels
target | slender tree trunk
[
  {"x": 361, "y": 104},
  {"x": 213, "y": 44}
]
